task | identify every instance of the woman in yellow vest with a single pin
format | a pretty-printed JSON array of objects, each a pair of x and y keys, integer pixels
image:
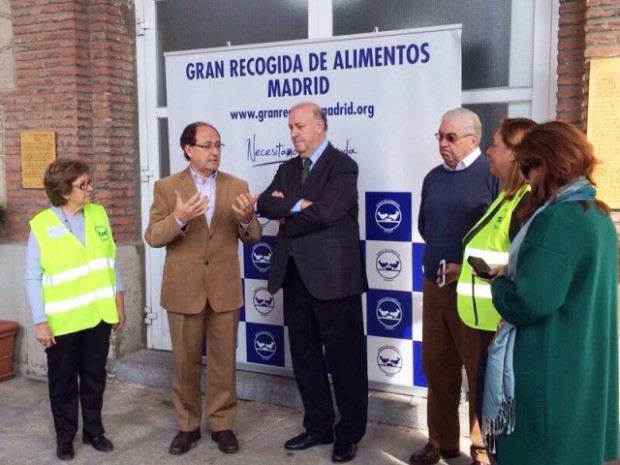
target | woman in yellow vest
[
  {"x": 76, "y": 298},
  {"x": 490, "y": 238}
]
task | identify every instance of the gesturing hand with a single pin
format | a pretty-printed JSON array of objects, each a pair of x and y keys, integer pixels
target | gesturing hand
[
  {"x": 244, "y": 206},
  {"x": 194, "y": 207}
]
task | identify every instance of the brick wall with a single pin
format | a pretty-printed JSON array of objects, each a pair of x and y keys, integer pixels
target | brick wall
[
  {"x": 75, "y": 74},
  {"x": 571, "y": 47},
  {"x": 588, "y": 29}
]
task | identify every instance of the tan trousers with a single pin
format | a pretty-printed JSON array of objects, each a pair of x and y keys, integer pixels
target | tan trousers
[
  {"x": 447, "y": 345},
  {"x": 187, "y": 332}
]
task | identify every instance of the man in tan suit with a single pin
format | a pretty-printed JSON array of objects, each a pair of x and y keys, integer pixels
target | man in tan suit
[{"x": 199, "y": 214}]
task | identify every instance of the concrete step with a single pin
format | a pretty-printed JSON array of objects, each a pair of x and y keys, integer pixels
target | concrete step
[{"x": 154, "y": 368}]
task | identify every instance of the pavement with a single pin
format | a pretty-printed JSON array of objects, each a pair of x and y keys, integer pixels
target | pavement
[{"x": 139, "y": 420}]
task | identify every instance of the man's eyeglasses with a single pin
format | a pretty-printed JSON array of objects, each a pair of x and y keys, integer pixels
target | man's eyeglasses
[
  {"x": 526, "y": 166},
  {"x": 83, "y": 186},
  {"x": 450, "y": 136},
  {"x": 209, "y": 145}
]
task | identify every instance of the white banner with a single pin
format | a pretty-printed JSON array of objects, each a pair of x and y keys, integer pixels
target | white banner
[{"x": 384, "y": 95}]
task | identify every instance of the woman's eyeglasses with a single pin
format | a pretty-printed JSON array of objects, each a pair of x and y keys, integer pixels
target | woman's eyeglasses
[{"x": 83, "y": 186}]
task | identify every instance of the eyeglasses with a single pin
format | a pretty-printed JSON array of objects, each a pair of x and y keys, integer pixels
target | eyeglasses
[
  {"x": 209, "y": 145},
  {"x": 83, "y": 186},
  {"x": 526, "y": 166},
  {"x": 450, "y": 137}
]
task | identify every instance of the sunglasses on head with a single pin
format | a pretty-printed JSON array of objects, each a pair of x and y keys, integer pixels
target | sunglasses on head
[{"x": 527, "y": 165}]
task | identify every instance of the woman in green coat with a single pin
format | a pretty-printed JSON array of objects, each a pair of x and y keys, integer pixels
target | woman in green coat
[{"x": 551, "y": 391}]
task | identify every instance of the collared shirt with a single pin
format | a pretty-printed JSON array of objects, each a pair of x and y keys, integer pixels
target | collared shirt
[
  {"x": 466, "y": 161},
  {"x": 206, "y": 188},
  {"x": 314, "y": 157}
]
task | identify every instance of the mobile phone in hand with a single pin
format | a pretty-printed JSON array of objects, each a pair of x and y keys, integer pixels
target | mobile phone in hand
[
  {"x": 441, "y": 273},
  {"x": 481, "y": 267}
]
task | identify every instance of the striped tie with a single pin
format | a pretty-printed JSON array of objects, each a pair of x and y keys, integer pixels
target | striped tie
[{"x": 306, "y": 169}]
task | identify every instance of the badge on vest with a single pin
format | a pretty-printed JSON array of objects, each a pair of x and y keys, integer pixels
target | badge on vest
[
  {"x": 56, "y": 231},
  {"x": 102, "y": 232}
]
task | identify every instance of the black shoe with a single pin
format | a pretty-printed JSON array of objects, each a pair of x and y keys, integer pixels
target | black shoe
[
  {"x": 344, "y": 452},
  {"x": 184, "y": 441},
  {"x": 306, "y": 440},
  {"x": 226, "y": 441},
  {"x": 450, "y": 454},
  {"x": 100, "y": 443},
  {"x": 64, "y": 451}
]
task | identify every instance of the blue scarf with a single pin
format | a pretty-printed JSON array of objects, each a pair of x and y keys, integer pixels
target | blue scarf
[{"x": 498, "y": 409}]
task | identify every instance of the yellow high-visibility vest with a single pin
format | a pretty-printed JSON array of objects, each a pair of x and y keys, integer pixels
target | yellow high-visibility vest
[
  {"x": 78, "y": 282},
  {"x": 490, "y": 242}
]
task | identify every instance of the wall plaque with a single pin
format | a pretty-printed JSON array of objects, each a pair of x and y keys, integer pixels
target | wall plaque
[{"x": 38, "y": 149}]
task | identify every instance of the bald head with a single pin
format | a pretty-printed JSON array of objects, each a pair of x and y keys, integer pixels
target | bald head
[{"x": 307, "y": 125}]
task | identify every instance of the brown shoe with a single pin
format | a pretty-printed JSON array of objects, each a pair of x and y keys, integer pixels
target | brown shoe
[
  {"x": 226, "y": 441},
  {"x": 430, "y": 455},
  {"x": 184, "y": 441}
]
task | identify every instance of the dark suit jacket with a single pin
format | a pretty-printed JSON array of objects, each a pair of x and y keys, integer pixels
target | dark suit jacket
[
  {"x": 324, "y": 237},
  {"x": 201, "y": 262}
]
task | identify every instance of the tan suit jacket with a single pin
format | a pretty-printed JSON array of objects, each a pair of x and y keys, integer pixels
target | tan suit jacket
[
  {"x": 201, "y": 266},
  {"x": 202, "y": 261}
]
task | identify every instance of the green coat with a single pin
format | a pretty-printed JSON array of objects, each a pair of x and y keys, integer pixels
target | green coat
[{"x": 564, "y": 302}]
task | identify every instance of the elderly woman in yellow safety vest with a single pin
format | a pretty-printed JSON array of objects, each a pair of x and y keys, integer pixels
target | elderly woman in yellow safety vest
[
  {"x": 490, "y": 238},
  {"x": 75, "y": 296}
]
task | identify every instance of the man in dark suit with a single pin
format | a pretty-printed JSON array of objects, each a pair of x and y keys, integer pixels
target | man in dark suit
[
  {"x": 317, "y": 261},
  {"x": 199, "y": 215}
]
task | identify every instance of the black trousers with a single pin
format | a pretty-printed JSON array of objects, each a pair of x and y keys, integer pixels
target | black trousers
[
  {"x": 337, "y": 325},
  {"x": 77, "y": 376}
]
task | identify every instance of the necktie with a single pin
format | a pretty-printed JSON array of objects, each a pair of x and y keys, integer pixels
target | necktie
[{"x": 306, "y": 169}]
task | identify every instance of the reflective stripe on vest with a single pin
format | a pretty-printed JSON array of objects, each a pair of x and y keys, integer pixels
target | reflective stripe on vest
[
  {"x": 491, "y": 243},
  {"x": 78, "y": 282}
]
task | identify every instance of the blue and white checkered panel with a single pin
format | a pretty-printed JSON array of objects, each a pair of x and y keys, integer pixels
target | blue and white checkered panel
[
  {"x": 242, "y": 350},
  {"x": 392, "y": 306},
  {"x": 390, "y": 361},
  {"x": 388, "y": 216},
  {"x": 262, "y": 307},
  {"x": 389, "y": 314},
  {"x": 389, "y": 265}
]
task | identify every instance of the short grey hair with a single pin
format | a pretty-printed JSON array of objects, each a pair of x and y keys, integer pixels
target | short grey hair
[
  {"x": 317, "y": 111},
  {"x": 470, "y": 121}
]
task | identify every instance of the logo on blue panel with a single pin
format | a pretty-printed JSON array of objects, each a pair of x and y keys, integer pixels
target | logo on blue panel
[
  {"x": 388, "y": 264},
  {"x": 265, "y": 344},
  {"x": 261, "y": 256},
  {"x": 389, "y": 360},
  {"x": 263, "y": 301},
  {"x": 388, "y": 215},
  {"x": 389, "y": 312}
]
